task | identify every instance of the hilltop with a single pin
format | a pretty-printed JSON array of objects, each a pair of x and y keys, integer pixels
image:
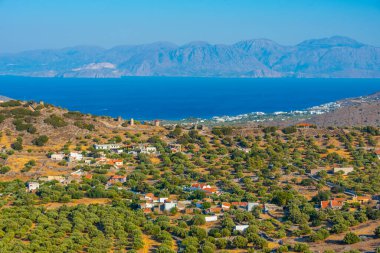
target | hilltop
[{"x": 335, "y": 57}]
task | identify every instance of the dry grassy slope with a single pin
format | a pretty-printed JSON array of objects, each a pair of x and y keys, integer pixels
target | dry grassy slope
[
  {"x": 105, "y": 129},
  {"x": 361, "y": 114},
  {"x": 58, "y": 136}
]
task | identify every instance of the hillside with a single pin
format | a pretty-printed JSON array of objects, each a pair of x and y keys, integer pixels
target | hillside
[
  {"x": 360, "y": 111},
  {"x": 334, "y": 57},
  {"x": 71, "y": 182}
]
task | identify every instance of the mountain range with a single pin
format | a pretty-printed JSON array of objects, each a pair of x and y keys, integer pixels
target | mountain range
[{"x": 334, "y": 57}]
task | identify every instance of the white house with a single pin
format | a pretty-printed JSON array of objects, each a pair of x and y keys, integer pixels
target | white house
[
  {"x": 134, "y": 153},
  {"x": 169, "y": 206},
  {"x": 57, "y": 156},
  {"x": 211, "y": 218},
  {"x": 106, "y": 146},
  {"x": 33, "y": 186},
  {"x": 241, "y": 228},
  {"x": 73, "y": 157},
  {"x": 79, "y": 173},
  {"x": 149, "y": 150},
  {"x": 162, "y": 200},
  {"x": 252, "y": 205},
  {"x": 345, "y": 170}
]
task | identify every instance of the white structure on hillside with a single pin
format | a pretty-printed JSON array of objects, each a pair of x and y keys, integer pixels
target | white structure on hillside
[
  {"x": 149, "y": 150},
  {"x": 32, "y": 186},
  {"x": 252, "y": 205},
  {"x": 241, "y": 228},
  {"x": 169, "y": 206},
  {"x": 211, "y": 218},
  {"x": 74, "y": 157},
  {"x": 57, "y": 156},
  {"x": 345, "y": 170},
  {"x": 106, "y": 146}
]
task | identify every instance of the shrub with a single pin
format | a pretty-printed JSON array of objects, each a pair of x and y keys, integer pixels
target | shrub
[
  {"x": 41, "y": 140},
  {"x": 301, "y": 247},
  {"x": 55, "y": 121},
  {"x": 11, "y": 103},
  {"x": 17, "y": 145},
  {"x": 289, "y": 130},
  {"x": 4, "y": 169},
  {"x": 377, "y": 232},
  {"x": 351, "y": 238},
  {"x": 83, "y": 125},
  {"x": 73, "y": 115}
]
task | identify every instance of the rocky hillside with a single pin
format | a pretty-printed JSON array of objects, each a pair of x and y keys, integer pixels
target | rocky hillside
[
  {"x": 360, "y": 111},
  {"x": 333, "y": 57}
]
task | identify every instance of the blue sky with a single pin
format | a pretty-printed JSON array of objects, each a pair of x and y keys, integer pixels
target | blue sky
[{"x": 34, "y": 24}]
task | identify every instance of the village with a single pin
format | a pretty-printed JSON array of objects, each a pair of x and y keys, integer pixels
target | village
[{"x": 227, "y": 188}]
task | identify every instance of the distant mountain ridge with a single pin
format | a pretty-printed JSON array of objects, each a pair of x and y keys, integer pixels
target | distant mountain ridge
[{"x": 334, "y": 57}]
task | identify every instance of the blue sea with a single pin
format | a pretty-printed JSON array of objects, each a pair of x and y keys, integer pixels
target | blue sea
[{"x": 178, "y": 98}]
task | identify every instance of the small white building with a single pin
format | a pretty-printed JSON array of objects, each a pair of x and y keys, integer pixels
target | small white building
[
  {"x": 74, "y": 157},
  {"x": 241, "y": 228},
  {"x": 162, "y": 200},
  {"x": 211, "y": 218},
  {"x": 106, "y": 146},
  {"x": 169, "y": 206},
  {"x": 251, "y": 206},
  {"x": 78, "y": 173},
  {"x": 345, "y": 170},
  {"x": 32, "y": 186},
  {"x": 57, "y": 156},
  {"x": 149, "y": 150},
  {"x": 134, "y": 153}
]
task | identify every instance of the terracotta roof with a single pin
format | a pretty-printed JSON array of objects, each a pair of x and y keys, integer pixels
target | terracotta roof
[
  {"x": 324, "y": 204},
  {"x": 304, "y": 125},
  {"x": 336, "y": 203},
  {"x": 363, "y": 198},
  {"x": 215, "y": 210},
  {"x": 377, "y": 152},
  {"x": 88, "y": 176},
  {"x": 149, "y": 195},
  {"x": 210, "y": 190}
]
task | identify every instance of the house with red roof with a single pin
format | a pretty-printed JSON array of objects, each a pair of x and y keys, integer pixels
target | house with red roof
[
  {"x": 336, "y": 203},
  {"x": 226, "y": 206},
  {"x": 377, "y": 152},
  {"x": 204, "y": 187},
  {"x": 117, "y": 179}
]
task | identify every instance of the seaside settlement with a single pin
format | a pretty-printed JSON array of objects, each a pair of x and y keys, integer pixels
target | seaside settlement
[{"x": 71, "y": 182}]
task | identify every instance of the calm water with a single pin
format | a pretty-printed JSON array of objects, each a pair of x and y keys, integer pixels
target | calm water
[{"x": 178, "y": 98}]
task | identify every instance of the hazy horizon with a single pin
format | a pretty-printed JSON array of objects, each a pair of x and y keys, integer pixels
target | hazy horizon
[
  {"x": 183, "y": 44},
  {"x": 29, "y": 25}
]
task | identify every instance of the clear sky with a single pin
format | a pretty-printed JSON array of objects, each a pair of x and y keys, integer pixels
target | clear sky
[{"x": 35, "y": 24}]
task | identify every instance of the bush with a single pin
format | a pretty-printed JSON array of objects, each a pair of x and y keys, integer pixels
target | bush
[
  {"x": 41, "y": 140},
  {"x": 55, "y": 121},
  {"x": 4, "y": 169},
  {"x": 377, "y": 232},
  {"x": 73, "y": 115},
  {"x": 17, "y": 145},
  {"x": 83, "y": 125},
  {"x": 289, "y": 130},
  {"x": 351, "y": 238},
  {"x": 301, "y": 247},
  {"x": 11, "y": 103}
]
